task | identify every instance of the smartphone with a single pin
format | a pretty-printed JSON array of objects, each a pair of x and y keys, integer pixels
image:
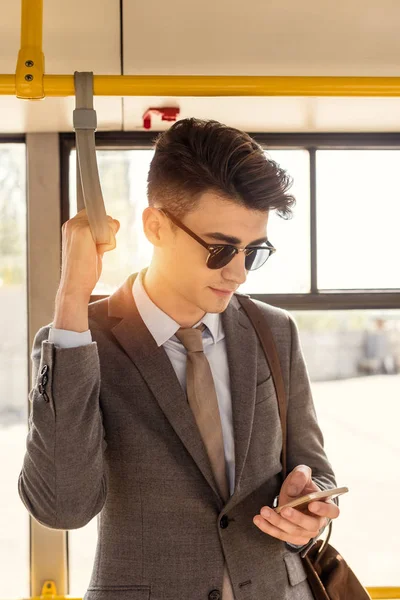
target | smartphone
[{"x": 302, "y": 502}]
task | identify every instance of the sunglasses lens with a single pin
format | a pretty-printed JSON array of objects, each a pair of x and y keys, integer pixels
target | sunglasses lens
[
  {"x": 256, "y": 258},
  {"x": 220, "y": 256}
]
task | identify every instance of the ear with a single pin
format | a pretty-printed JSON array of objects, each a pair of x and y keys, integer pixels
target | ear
[{"x": 155, "y": 225}]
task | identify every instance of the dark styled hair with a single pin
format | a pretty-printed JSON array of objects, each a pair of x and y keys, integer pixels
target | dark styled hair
[{"x": 196, "y": 156}]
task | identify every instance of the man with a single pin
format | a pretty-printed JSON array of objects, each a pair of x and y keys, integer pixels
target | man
[{"x": 177, "y": 447}]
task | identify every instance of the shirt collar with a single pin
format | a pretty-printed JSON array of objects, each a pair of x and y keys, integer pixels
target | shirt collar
[{"x": 161, "y": 326}]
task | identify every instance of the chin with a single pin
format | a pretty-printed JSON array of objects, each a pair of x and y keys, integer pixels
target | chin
[{"x": 215, "y": 305}]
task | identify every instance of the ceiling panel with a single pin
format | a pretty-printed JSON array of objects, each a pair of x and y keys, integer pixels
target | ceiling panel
[
  {"x": 54, "y": 114},
  {"x": 252, "y": 114},
  {"x": 356, "y": 114},
  {"x": 247, "y": 113},
  {"x": 81, "y": 35},
  {"x": 10, "y": 25},
  {"x": 278, "y": 37},
  {"x": 285, "y": 114}
]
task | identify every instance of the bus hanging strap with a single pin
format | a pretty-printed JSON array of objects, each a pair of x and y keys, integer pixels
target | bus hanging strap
[{"x": 89, "y": 194}]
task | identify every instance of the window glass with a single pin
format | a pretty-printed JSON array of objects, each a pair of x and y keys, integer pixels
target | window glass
[
  {"x": 353, "y": 359},
  {"x": 81, "y": 555},
  {"x": 358, "y": 214},
  {"x": 288, "y": 270},
  {"x": 14, "y": 519}
]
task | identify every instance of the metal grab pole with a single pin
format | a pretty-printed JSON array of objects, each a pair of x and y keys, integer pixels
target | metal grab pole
[{"x": 87, "y": 176}]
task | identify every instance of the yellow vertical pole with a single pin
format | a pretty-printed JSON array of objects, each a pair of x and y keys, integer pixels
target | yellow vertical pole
[
  {"x": 48, "y": 547},
  {"x": 30, "y": 64}
]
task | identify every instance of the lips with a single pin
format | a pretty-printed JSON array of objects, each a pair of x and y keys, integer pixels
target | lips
[{"x": 223, "y": 291}]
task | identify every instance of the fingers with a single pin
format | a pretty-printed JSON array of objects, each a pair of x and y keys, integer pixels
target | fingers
[
  {"x": 293, "y": 526},
  {"x": 292, "y": 531},
  {"x": 81, "y": 220},
  {"x": 298, "y": 482},
  {"x": 302, "y": 520},
  {"x": 114, "y": 222},
  {"x": 301, "y": 473},
  {"x": 114, "y": 225},
  {"x": 328, "y": 509},
  {"x": 82, "y": 215}
]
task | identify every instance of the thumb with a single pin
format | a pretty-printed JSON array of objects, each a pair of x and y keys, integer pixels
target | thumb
[{"x": 298, "y": 480}]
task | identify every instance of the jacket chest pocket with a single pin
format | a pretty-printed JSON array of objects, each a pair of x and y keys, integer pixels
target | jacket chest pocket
[
  {"x": 294, "y": 567},
  {"x": 265, "y": 390},
  {"x": 134, "y": 592}
]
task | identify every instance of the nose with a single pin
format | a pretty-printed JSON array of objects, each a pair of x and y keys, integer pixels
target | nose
[{"x": 235, "y": 270}]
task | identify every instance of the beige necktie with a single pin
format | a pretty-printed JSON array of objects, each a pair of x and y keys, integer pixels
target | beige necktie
[{"x": 203, "y": 401}]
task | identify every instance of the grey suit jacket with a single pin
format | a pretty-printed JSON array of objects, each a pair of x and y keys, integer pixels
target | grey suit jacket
[{"x": 111, "y": 434}]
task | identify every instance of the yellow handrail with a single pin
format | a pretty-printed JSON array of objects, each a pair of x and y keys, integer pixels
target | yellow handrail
[
  {"x": 384, "y": 593},
  {"x": 377, "y": 593},
  {"x": 208, "y": 85}
]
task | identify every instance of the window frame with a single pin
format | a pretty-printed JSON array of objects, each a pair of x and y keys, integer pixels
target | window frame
[{"x": 315, "y": 299}]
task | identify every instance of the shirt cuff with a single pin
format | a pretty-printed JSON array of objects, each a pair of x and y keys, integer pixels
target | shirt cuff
[
  {"x": 294, "y": 546},
  {"x": 63, "y": 338}
]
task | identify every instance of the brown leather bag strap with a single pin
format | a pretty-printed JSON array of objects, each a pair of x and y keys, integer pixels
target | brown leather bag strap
[{"x": 267, "y": 342}]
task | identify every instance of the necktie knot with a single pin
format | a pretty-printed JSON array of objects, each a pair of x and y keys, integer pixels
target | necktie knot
[{"x": 191, "y": 338}]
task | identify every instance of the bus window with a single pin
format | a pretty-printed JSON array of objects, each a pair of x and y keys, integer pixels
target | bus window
[{"x": 14, "y": 520}]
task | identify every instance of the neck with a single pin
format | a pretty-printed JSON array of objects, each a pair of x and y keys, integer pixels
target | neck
[{"x": 177, "y": 307}]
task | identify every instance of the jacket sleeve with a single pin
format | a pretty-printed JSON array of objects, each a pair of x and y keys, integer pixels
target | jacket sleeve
[
  {"x": 305, "y": 443},
  {"x": 63, "y": 481}
]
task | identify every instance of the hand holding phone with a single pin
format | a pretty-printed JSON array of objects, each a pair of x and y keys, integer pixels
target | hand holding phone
[{"x": 302, "y": 503}]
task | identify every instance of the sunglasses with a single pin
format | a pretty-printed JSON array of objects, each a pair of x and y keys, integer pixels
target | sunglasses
[{"x": 221, "y": 254}]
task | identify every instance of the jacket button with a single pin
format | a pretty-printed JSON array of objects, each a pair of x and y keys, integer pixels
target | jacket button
[
  {"x": 214, "y": 595},
  {"x": 224, "y": 522}
]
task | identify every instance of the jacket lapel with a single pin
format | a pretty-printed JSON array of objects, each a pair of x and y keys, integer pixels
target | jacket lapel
[
  {"x": 241, "y": 346},
  {"x": 156, "y": 369}
]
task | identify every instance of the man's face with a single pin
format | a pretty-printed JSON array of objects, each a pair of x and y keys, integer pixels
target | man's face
[{"x": 183, "y": 259}]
